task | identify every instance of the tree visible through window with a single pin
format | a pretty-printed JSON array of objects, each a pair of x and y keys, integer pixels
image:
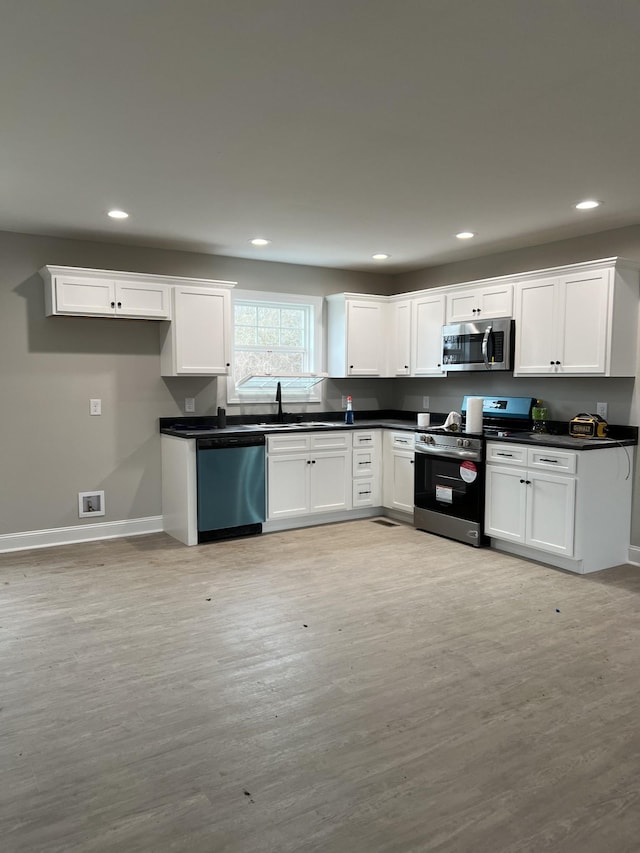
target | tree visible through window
[{"x": 271, "y": 337}]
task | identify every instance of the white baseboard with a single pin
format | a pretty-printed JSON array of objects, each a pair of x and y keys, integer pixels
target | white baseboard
[
  {"x": 634, "y": 555},
  {"x": 79, "y": 533}
]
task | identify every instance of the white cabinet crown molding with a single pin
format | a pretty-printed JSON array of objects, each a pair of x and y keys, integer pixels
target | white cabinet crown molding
[{"x": 50, "y": 270}]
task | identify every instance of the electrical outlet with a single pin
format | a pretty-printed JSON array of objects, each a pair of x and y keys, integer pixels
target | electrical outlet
[
  {"x": 601, "y": 409},
  {"x": 95, "y": 407},
  {"x": 425, "y": 402},
  {"x": 344, "y": 401},
  {"x": 189, "y": 404}
]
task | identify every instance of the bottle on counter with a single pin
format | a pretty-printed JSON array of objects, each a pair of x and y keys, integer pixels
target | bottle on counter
[
  {"x": 539, "y": 414},
  {"x": 348, "y": 415}
]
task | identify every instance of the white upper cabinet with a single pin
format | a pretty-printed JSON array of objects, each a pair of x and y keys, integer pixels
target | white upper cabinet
[
  {"x": 198, "y": 340},
  {"x": 357, "y": 334},
  {"x": 399, "y": 321},
  {"x": 480, "y": 301},
  {"x": 428, "y": 319},
  {"x": 104, "y": 293},
  {"x": 580, "y": 323}
]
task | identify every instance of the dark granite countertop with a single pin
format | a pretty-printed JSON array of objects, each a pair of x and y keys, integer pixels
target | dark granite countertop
[
  {"x": 206, "y": 426},
  {"x": 565, "y": 442}
]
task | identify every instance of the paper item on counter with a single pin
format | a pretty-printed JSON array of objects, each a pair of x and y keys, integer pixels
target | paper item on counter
[
  {"x": 453, "y": 421},
  {"x": 424, "y": 419},
  {"x": 473, "y": 422}
]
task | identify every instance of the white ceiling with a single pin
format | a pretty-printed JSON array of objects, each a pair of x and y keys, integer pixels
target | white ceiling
[{"x": 336, "y": 128}]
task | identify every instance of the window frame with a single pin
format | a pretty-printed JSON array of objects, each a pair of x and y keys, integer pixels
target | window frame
[{"x": 316, "y": 355}]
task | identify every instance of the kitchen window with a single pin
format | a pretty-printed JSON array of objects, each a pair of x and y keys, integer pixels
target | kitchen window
[{"x": 275, "y": 333}]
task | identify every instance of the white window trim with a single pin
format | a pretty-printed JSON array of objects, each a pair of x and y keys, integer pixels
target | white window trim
[{"x": 313, "y": 395}]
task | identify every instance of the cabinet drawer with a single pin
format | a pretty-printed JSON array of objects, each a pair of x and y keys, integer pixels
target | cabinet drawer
[
  {"x": 403, "y": 440},
  {"x": 362, "y": 438},
  {"x": 364, "y": 462},
  {"x": 330, "y": 440},
  {"x": 289, "y": 443},
  {"x": 506, "y": 454},
  {"x": 365, "y": 493},
  {"x": 551, "y": 459}
]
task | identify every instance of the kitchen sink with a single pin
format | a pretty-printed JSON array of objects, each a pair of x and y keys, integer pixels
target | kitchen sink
[{"x": 297, "y": 425}]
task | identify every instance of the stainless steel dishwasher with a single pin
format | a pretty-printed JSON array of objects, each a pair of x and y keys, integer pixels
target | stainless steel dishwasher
[{"x": 231, "y": 486}]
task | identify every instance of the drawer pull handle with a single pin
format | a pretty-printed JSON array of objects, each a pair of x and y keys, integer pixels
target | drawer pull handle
[
  {"x": 364, "y": 463},
  {"x": 360, "y": 494},
  {"x": 555, "y": 461},
  {"x": 510, "y": 455},
  {"x": 360, "y": 440}
]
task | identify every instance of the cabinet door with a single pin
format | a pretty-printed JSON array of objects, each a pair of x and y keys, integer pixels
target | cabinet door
[
  {"x": 84, "y": 296},
  {"x": 428, "y": 319},
  {"x": 496, "y": 301},
  {"x": 366, "y": 333},
  {"x": 202, "y": 329},
  {"x": 550, "y": 512},
  {"x": 583, "y": 321},
  {"x": 140, "y": 299},
  {"x": 399, "y": 481},
  {"x": 330, "y": 482},
  {"x": 400, "y": 348},
  {"x": 287, "y": 485},
  {"x": 480, "y": 302},
  {"x": 536, "y": 350},
  {"x": 505, "y": 506}
]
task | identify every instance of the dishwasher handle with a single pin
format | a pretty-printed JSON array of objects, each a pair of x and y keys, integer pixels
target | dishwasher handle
[{"x": 222, "y": 442}]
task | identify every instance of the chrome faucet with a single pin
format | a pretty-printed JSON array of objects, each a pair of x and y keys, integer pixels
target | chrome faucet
[{"x": 280, "y": 417}]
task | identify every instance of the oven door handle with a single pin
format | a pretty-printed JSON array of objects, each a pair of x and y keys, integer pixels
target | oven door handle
[
  {"x": 485, "y": 346},
  {"x": 450, "y": 454}
]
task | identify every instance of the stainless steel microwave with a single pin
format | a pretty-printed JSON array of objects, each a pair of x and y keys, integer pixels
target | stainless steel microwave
[{"x": 478, "y": 345}]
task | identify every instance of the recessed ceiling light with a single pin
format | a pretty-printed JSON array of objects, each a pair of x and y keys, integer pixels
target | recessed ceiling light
[
  {"x": 465, "y": 235},
  {"x": 260, "y": 241},
  {"x": 588, "y": 204},
  {"x": 380, "y": 256},
  {"x": 118, "y": 214}
]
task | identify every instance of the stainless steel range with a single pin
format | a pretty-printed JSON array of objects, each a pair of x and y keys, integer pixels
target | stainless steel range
[{"x": 450, "y": 470}]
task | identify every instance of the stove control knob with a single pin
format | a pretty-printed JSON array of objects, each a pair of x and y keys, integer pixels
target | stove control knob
[
  {"x": 427, "y": 439},
  {"x": 463, "y": 442}
]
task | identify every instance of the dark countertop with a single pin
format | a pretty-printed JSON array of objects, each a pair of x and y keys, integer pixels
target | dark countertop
[
  {"x": 271, "y": 429},
  {"x": 565, "y": 442},
  {"x": 206, "y": 428}
]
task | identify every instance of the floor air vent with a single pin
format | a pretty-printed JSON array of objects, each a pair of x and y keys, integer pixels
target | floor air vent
[{"x": 385, "y": 523}]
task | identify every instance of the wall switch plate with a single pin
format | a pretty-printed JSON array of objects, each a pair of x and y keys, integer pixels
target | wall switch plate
[
  {"x": 601, "y": 409},
  {"x": 425, "y": 402},
  {"x": 95, "y": 407},
  {"x": 344, "y": 401},
  {"x": 189, "y": 404}
]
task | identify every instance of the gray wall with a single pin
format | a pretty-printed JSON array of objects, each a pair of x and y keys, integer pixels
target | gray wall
[{"x": 52, "y": 366}]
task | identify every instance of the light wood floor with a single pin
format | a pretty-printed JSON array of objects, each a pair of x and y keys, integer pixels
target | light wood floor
[{"x": 355, "y": 687}]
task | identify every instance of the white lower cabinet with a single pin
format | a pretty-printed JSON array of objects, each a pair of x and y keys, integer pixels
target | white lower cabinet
[
  {"x": 398, "y": 471},
  {"x": 571, "y": 509},
  {"x": 366, "y": 468},
  {"x": 308, "y": 473},
  {"x": 531, "y": 507}
]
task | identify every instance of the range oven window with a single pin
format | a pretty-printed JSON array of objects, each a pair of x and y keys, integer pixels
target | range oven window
[
  {"x": 467, "y": 348},
  {"x": 453, "y": 487}
]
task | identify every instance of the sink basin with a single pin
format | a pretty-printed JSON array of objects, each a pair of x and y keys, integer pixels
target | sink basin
[{"x": 297, "y": 425}]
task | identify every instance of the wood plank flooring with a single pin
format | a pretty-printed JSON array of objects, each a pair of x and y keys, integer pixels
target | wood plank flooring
[{"x": 354, "y": 687}]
